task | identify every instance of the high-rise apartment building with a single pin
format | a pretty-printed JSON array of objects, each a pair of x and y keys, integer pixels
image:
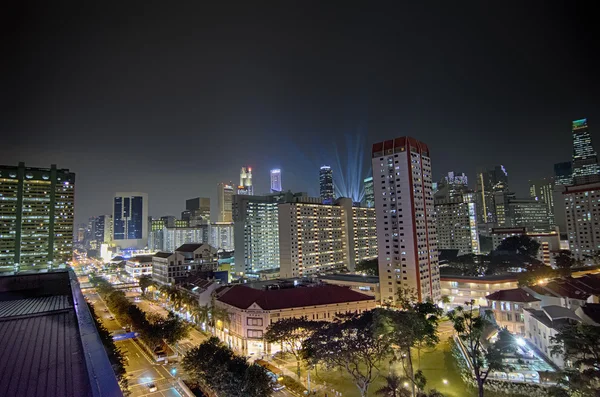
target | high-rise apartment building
[
  {"x": 245, "y": 186},
  {"x": 406, "y": 233},
  {"x": 582, "y": 204},
  {"x": 326, "y": 184},
  {"x": 456, "y": 220},
  {"x": 369, "y": 199},
  {"x": 256, "y": 232},
  {"x": 563, "y": 173},
  {"x": 543, "y": 190},
  {"x": 585, "y": 159},
  {"x": 221, "y": 236},
  {"x": 316, "y": 238},
  {"x": 224, "y": 199},
  {"x": 275, "y": 180},
  {"x": 197, "y": 211},
  {"x": 36, "y": 217},
  {"x": 130, "y": 219},
  {"x": 489, "y": 182},
  {"x": 167, "y": 238}
]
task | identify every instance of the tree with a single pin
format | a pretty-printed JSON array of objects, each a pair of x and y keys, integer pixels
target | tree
[
  {"x": 580, "y": 344},
  {"x": 521, "y": 245},
  {"x": 145, "y": 282},
  {"x": 217, "y": 367},
  {"x": 115, "y": 355},
  {"x": 349, "y": 343},
  {"x": 534, "y": 273},
  {"x": 393, "y": 387},
  {"x": 413, "y": 327},
  {"x": 470, "y": 327},
  {"x": 565, "y": 263},
  {"x": 370, "y": 267},
  {"x": 290, "y": 333}
]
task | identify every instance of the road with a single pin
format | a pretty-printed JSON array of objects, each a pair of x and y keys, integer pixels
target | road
[{"x": 141, "y": 369}]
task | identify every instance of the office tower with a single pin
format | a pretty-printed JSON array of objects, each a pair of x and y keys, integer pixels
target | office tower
[
  {"x": 585, "y": 158},
  {"x": 130, "y": 219},
  {"x": 316, "y": 237},
  {"x": 102, "y": 229},
  {"x": 275, "y": 180},
  {"x": 246, "y": 181},
  {"x": 224, "y": 199},
  {"x": 489, "y": 181},
  {"x": 369, "y": 200},
  {"x": 456, "y": 220},
  {"x": 457, "y": 179},
  {"x": 543, "y": 190},
  {"x": 221, "y": 236},
  {"x": 37, "y": 215},
  {"x": 326, "y": 184},
  {"x": 156, "y": 235},
  {"x": 563, "y": 173},
  {"x": 531, "y": 214},
  {"x": 583, "y": 218},
  {"x": 406, "y": 235},
  {"x": 197, "y": 211}
]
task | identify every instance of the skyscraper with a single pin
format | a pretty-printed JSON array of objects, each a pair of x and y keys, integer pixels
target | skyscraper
[
  {"x": 275, "y": 180},
  {"x": 197, "y": 211},
  {"x": 130, "y": 219},
  {"x": 245, "y": 186},
  {"x": 224, "y": 199},
  {"x": 489, "y": 182},
  {"x": 37, "y": 211},
  {"x": 326, "y": 184},
  {"x": 103, "y": 229},
  {"x": 582, "y": 219},
  {"x": 369, "y": 200},
  {"x": 456, "y": 220},
  {"x": 406, "y": 234},
  {"x": 543, "y": 191},
  {"x": 563, "y": 173},
  {"x": 585, "y": 158}
]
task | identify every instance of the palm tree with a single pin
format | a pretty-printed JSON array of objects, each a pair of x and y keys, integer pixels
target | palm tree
[
  {"x": 394, "y": 387},
  {"x": 200, "y": 314}
]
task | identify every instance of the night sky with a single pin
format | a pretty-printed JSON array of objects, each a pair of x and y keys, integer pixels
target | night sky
[{"x": 170, "y": 100}]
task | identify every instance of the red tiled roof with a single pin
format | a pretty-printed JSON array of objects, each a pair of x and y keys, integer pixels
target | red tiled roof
[
  {"x": 243, "y": 297},
  {"x": 512, "y": 295}
]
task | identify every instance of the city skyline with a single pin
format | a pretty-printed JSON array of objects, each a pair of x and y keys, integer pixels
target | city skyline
[{"x": 456, "y": 88}]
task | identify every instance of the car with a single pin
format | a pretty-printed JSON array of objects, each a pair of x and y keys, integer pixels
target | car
[
  {"x": 152, "y": 387},
  {"x": 111, "y": 318}
]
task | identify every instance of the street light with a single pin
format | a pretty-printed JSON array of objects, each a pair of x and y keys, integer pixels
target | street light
[{"x": 445, "y": 381}]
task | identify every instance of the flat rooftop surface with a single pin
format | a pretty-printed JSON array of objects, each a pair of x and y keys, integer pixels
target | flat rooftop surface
[{"x": 41, "y": 349}]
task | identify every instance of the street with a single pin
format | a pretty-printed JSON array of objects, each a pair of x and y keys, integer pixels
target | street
[{"x": 142, "y": 371}]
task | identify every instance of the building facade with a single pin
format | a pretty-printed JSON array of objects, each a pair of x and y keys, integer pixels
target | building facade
[
  {"x": 456, "y": 221},
  {"x": 139, "y": 266},
  {"x": 585, "y": 159},
  {"x": 406, "y": 233},
  {"x": 197, "y": 211},
  {"x": 315, "y": 238},
  {"x": 167, "y": 267},
  {"x": 507, "y": 306},
  {"x": 275, "y": 180},
  {"x": 582, "y": 213},
  {"x": 461, "y": 289},
  {"x": 549, "y": 241},
  {"x": 130, "y": 215},
  {"x": 225, "y": 193},
  {"x": 543, "y": 190},
  {"x": 369, "y": 199},
  {"x": 222, "y": 236},
  {"x": 36, "y": 217},
  {"x": 251, "y": 311},
  {"x": 326, "y": 184}
]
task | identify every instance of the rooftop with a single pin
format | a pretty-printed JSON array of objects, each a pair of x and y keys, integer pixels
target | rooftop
[
  {"x": 243, "y": 297},
  {"x": 591, "y": 310},
  {"x": 189, "y": 247},
  {"x": 141, "y": 259},
  {"x": 554, "y": 316},
  {"x": 48, "y": 341},
  {"x": 162, "y": 254},
  {"x": 512, "y": 295},
  {"x": 497, "y": 278},
  {"x": 356, "y": 278}
]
